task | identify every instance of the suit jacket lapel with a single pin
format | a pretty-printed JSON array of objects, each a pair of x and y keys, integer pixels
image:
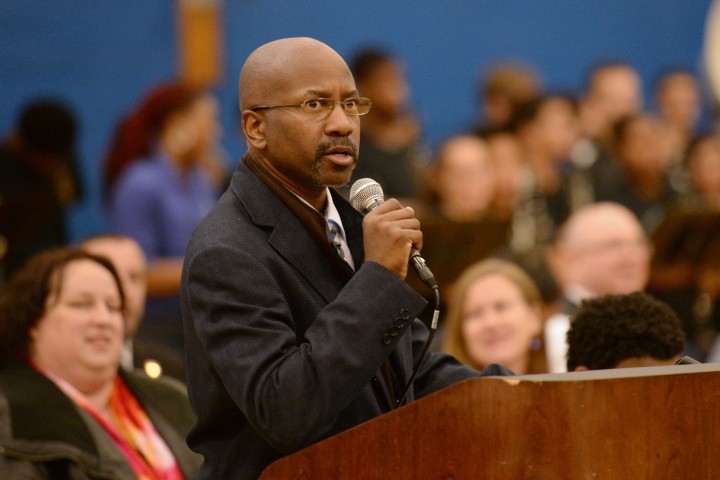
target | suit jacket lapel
[{"x": 289, "y": 237}]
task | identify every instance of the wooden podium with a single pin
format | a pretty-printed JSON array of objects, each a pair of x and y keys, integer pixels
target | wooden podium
[{"x": 652, "y": 422}]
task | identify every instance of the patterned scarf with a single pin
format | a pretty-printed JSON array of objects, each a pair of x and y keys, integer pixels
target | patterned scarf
[{"x": 132, "y": 432}]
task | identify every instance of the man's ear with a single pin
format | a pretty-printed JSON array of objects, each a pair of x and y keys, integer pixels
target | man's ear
[{"x": 254, "y": 129}]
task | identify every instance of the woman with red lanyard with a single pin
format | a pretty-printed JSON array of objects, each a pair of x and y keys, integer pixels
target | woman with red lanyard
[{"x": 66, "y": 408}]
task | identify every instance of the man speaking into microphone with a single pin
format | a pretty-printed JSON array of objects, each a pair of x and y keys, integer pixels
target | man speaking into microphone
[{"x": 298, "y": 324}]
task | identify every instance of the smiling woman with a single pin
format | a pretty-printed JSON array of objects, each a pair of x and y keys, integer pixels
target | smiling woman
[
  {"x": 495, "y": 317},
  {"x": 62, "y": 322}
]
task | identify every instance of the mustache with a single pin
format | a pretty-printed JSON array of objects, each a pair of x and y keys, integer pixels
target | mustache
[{"x": 323, "y": 148}]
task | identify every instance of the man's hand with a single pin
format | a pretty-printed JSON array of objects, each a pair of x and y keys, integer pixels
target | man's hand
[{"x": 390, "y": 231}]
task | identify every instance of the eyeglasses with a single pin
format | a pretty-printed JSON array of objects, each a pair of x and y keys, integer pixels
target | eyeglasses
[{"x": 315, "y": 106}]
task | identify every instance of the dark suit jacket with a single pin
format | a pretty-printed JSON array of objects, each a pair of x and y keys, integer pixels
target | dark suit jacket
[{"x": 282, "y": 351}]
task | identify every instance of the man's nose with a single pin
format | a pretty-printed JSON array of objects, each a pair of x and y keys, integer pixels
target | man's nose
[{"x": 339, "y": 123}]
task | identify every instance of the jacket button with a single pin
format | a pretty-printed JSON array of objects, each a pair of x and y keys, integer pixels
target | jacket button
[
  {"x": 392, "y": 330},
  {"x": 387, "y": 339},
  {"x": 405, "y": 314}
]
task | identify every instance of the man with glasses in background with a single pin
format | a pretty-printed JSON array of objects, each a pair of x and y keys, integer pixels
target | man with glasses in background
[
  {"x": 293, "y": 336},
  {"x": 601, "y": 249}
]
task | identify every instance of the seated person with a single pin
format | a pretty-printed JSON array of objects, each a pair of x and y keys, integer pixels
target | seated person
[
  {"x": 601, "y": 249},
  {"x": 640, "y": 179},
  {"x": 495, "y": 318},
  {"x": 620, "y": 331},
  {"x": 141, "y": 350},
  {"x": 70, "y": 411},
  {"x": 393, "y": 152},
  {"x": 459, "y": 225},
  {"x": 158, "y": 188},
  {"x": 39, "y": 181}
]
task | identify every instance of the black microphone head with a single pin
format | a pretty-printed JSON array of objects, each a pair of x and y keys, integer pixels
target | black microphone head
[{"x": 366, "y": 194}]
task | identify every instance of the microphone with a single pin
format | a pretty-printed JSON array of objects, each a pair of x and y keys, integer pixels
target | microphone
[{"x": 365, "y": 196}]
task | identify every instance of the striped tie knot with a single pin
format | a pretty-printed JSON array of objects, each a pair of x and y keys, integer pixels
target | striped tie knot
[{"x": 333, "y": 230}]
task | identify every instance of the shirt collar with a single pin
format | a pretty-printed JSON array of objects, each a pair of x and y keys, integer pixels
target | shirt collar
[
  {"x": 576, "y": 293},
  {"x": 331, "y": 212}
]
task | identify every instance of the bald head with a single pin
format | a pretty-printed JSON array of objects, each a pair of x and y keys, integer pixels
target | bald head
[
  {"x": 581, "y": 226},
  {"x": 311, "y": 149},
  {"x": 603, "y": 248},
  {"x": 270, "y": 67}
]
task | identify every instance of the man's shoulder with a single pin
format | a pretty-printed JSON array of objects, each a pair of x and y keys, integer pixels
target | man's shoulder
[{"x": 231, "y": 222}]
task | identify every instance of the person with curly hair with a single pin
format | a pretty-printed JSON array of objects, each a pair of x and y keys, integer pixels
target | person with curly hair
[{"x": 619, "y": 331}]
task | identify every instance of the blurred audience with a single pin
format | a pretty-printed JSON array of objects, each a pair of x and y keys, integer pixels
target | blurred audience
[
  {"x": 392, "y": 151},
  {"x": 613, "y": 90},
  {"x": 495, "y": 317},
  {"x": 547, "y": 129},
  {"x": 71, "y": 411},
  {"x": 503, "y": 87},
  {"x": 39, "y": 181},
  {"x": 703, "y": 166},
  {"x": 685, "y": 273},
  {"x": 142, "y": 349},
  {"x": 463, "y": 179},
  {"x": 601, "y": 249},
  {"x": 621, "y": 331},
  {"x": 507, "y": 159},
  {"x": 639, "y": 178},
  {"x": 159, "y": 189},
  {"x": 679, "y": 105},
  {"x": 458, "y": 224}
]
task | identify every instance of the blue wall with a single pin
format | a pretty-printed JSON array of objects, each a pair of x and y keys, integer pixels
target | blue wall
[{"x": 101, "y": 55}]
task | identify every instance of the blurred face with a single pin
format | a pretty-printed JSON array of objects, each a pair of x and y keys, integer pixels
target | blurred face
[
  {"x": 704, "y": 165},
  {"x": 204, "y": 115},
  {"x": 617, "y": 92},
  {"x": 506, "y": 157},
  {"x": 679, "y": 101},
  {"x": 310, "y": 152},
  {"x": 81, "y": 332},
  {"x": 387, "y": 87},
  {"x": 498, "y": 324},
  {"x": 557, "y": 128},
  {"x": 645, "y": 148},
  {"x": 466, "y": 178},
  {"x": 129, "y": 261},
  {"x": 607, "y": 253}
]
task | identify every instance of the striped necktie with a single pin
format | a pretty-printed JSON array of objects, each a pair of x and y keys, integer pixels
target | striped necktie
[{"x": 334, "y": 230}]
